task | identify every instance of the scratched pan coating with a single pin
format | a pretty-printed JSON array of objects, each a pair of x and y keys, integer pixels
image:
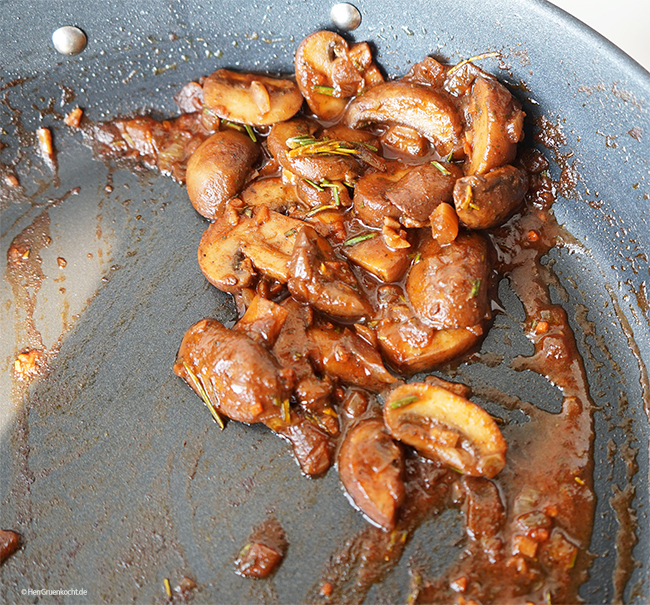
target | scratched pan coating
[{"x": 110, "y": 467}]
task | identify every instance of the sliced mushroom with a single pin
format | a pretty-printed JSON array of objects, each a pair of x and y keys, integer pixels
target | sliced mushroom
[
  {"x": 218, "y": 170},
  {"x": 403, "y": 139},
  {"x": 233, "y": 374},
  {"x": 231, "y": 251},
  {"x": 250, "y": 98},
  {"x": 262, "y": 321},
  {"x": 448, "y": 286},
  {"x": 347, "y": 356},
  {"x": 271, "y": 192},
  {"x": 484, "y": 510},
  {"x": 370, "y": 202},
  {"x": 428, "y": 71},
  {"x": 296, "y": 146},
  {"x": 422, "y": 108},
  {"x": 422, "y": 188},
  {"x": 497, "y": 123},
  {"x": 328, "y": 72},
  {"x": 371, "y": 467},
  {"x": 318, "y": 277},
  {"x": 292, "y": 350},
  {"x": 410, "y": 346},
  {"x": 487, "y": 200},
  {"x": 446, "y": 427},
  {"x": 311, "y": 445},
  {"x": 388, "y": 264}
]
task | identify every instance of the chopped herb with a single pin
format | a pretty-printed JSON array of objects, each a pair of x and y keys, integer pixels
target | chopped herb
[
  {"x": 471, "y": 60},
  {"x": 347, "y": 184},
  {"x": 474, "y": 206},
  {"x": 418, "y": 258},
  {"x": 359, "y": 238},
  {"x": 300, "y": 140},
  {"x": 233, "y": 125},
  {"x": 198, "y": 386},
  {"x": 324, "y": 90},
  {"x": 321, "y": 148},
  {"x": 313, "y": 184},
  {"x": 399, "y": 403},
  {"x": 440, "y": 167},
  {"x": 320, "y": 209},
  {"x": 476, "y": 287},
  {"x": 250, "y": 132},
  {"x": 337, "y": 200},
  {"x": 290, "y": 232},
  {"x": 286, "y": 413},
  {"x": 450, "y": 157},
  {"x": 371, "y": 147}
]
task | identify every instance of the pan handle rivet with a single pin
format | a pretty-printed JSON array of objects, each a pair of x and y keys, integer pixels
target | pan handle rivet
[
  {"x": 69, "y": 40},
  {"x": 345, "y": 16}
]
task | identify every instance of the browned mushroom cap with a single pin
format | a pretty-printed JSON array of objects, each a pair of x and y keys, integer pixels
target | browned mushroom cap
[
  {"x": 497, "y": 123},
  {"x": 218, "y": 170},
  {"x": 447, "y": 427},
  {"x": 328, "y": 72},
  {"x": 371, "y": 467},
  {"x": 486, "y": 200},
  {"x": 250, "y": 98},
  {"x": 448, "y": 286},
  {"x": 236, "y": 375},
  {"x": 430, "y": 112}
]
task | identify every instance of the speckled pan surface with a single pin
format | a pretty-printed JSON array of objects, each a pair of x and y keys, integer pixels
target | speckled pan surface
[{"x": 110, "y": 468}]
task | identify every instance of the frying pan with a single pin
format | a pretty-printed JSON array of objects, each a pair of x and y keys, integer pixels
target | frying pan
[{"x": 111, "y": 469}]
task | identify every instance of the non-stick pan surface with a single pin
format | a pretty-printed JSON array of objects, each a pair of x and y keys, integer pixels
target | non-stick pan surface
[{"x": 110, "y": 467}]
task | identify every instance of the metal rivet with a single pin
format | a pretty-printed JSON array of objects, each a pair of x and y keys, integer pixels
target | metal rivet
[
  {"x": 69, "y": 40},
  {"x": 345, "y": 16}
]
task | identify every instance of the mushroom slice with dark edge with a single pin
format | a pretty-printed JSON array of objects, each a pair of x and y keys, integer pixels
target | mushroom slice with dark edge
[
  {"x": 497, "y": 123},
  {"x": 250, "y": 98},
  {"x": 218, "y": 170},
  {"x": 487, "y": 200},
  {"x": 371, "y": 466},
  {"x": 349, "y": 357},
  {"x": 298, "y": 149},
  {"x": 235, "y": 247},
  {"x": 262, "y": 321},
  {"x": 446, "y": 427},
  {"x": 430, "y": 112},
  {"x": 376, "y": 257},
  {"x": 318, "y": 277},
  {"x": 329, "y": 71}
]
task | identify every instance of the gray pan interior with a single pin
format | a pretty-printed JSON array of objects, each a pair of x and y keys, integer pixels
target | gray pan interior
[{"x": 111, "y": 468}]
